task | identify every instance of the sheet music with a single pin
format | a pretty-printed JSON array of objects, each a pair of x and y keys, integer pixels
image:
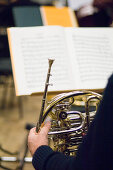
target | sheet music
[
  {"x": 34, "y": 47},
  {"x": 92, "y": 55},
  {"x": 83, "y": 57}
]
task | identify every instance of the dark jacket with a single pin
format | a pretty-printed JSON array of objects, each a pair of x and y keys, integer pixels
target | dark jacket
[{"x": 96, "y": 150}]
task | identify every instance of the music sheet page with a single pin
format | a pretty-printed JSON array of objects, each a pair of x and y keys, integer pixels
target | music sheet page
[
  {"x": 30, "y": 49},
  {"x": 91, "y": 52}
]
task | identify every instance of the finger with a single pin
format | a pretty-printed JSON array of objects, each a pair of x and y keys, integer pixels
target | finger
[
  {"x": 46, "y": 128},
  {"x": 33, "y": 130}
]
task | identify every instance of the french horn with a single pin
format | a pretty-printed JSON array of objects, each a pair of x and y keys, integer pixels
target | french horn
[{"x": 70, "y": 114}]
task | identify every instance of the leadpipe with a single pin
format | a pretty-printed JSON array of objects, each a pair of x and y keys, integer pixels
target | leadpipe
[{"x": 44, "y": 95}]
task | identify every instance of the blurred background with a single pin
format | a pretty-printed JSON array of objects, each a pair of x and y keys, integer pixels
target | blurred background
[{"x": 18, "y": 114}]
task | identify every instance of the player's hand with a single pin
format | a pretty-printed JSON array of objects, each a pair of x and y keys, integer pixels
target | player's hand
[{"x": 35, "y": 140}]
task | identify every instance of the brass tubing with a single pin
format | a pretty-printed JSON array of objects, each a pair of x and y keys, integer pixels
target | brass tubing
[{"x": 44, "y": 95}]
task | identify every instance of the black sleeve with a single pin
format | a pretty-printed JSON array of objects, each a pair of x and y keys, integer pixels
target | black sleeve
[
  {"x": 46, "y": 159},
  {"x": 96, "y": 150}
]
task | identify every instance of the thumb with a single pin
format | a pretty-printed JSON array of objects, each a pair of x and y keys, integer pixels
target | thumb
[{"x": 45, "y": 129}]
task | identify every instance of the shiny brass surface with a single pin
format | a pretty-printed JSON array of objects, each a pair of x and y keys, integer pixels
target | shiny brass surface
[
  {"x": 71, "y": 114},
  {"x": 50, "y": 61}
]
